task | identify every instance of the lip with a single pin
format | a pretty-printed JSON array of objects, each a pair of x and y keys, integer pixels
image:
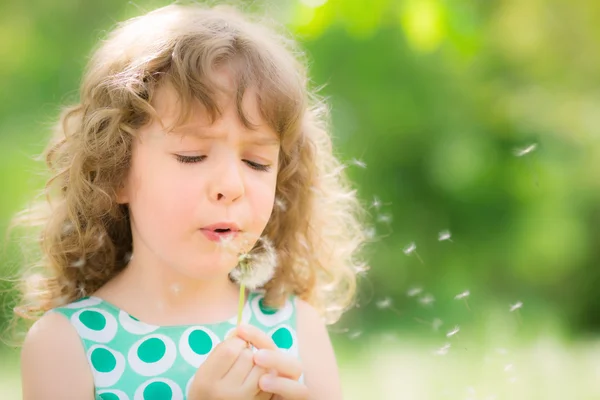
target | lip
[{"x": 222, "y": 225}]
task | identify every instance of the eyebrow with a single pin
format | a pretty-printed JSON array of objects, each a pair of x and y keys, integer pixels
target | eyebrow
[{"x": 260, "y": 139}]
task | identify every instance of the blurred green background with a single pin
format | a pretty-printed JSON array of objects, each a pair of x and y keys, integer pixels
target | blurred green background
[{"x": 480, "y": 118}]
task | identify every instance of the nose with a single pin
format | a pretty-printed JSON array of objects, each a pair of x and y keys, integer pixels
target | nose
[{"x": 227, "y": 183}]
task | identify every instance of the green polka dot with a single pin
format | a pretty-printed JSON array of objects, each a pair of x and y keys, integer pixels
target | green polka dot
[
  {"x": 200, "y": 342},
  {"x": 103, "y": 360},
  {"x": 151, "y": 350},
  {"x": 265, "y": 309},
  {"x": 282, "y": 338},
  {"x": 158, "y": 391},
  {"x": 109, "y": 396},
  {"x": 93, "y": 320}
]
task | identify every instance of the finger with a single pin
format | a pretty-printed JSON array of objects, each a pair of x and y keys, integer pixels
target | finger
[
  {"x": 241, "y": 368},
  {"x": 222, "y": 358},
  {"x": 255, "y": 337},
  {"x": 287, "y": 388},
  {"x": 285, "y": 364},
  {"x": 252, "y": 378}
]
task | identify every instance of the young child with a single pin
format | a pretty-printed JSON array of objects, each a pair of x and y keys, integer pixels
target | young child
[{"x": 195, "y": 127}]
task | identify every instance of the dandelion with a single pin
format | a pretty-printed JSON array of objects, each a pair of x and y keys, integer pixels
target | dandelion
[
  {"x": 412, "y": 248},
  {"x": 453, "y": 331},
  {"x": 525, "y": 150},
  {"x": 359, "y": 163},
  {"x": 412, "y": 292},
  {"x": 386, "y": 303},
  {"x": 442, "y": 351},
  {"x": 516, "y": 306},
  {"x": 254, "y": 270},
  {"x": 463, "y": 296},
  {"x": 427, "y": 300},
  {"x": 444, "y": 235}
]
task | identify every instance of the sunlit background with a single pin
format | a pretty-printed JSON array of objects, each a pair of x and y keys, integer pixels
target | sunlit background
[{"x": 471, "y": 128}]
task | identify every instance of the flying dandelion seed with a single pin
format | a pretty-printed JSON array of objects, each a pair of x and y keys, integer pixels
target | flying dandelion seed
[
  {"x": 436, "y": 324},
  {"x": 525, "y": 150},
  {"x": 516, "y": 306},
  {"x": 453, "y": 332},
  {"x": 386, "y": 303},
  {"x": 427, "y": 300},
  {"x": 279, "y": 203},
  {"x": 508, "y": 367},
  {"x": 354, "y": 335},
  {"x": 410, "y": 249},
  {"x": 370, "y": 233},
  {"x": 359, "y": 163},
  {"x": 463, "y": 296},
  {"x": 444, "y": 235},
  {"x": 414, "y": 291},
  {"x": 79, "y": 263},
  {"x": 384, "y": 218},
  {"x": 442, "y": 351},
  {"x": 376, "y": 204}
]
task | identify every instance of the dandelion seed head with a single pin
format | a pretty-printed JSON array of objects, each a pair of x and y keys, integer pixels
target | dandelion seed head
[
  {"x": 453, "y": 331},
  {"x": 516, "y": 306},
  {"x": 255, "y": 270},
  {"x": 520, "y": 152},
  {"x": 410, "y": 248},
  {"x": 444, "y": 235},
  {"x": 462, "y": 295},
  {"x": 415, "y": 291}
]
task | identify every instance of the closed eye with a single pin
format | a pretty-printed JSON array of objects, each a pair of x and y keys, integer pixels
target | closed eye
[
  {"x": 258, "y": 167},
  {"x": 189, "y": 159}
]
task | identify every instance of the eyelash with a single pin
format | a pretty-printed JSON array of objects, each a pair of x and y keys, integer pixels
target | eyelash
[{"x": 197, "y": 159}]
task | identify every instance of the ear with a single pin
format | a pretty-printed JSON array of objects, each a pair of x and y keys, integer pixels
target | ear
[{"x": 122, "y": 193}]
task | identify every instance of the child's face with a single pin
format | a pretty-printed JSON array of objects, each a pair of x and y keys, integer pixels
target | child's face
[{"x": 200, "y": 175}]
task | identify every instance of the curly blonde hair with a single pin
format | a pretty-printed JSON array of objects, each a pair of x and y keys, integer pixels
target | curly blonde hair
[{"x": 317, "y": 231}]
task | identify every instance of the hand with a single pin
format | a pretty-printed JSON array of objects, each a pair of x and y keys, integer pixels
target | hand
[
  {"x": 283, "y": 384},
  {"x": 229, "y": 373}
]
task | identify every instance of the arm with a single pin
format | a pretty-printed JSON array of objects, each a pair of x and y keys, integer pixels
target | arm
[
  {"x": 321, "y": 373},
  {"x": 53, "y": 362}
]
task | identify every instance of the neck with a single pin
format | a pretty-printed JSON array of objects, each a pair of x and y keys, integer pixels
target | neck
[{"x": 158, "y": 294}]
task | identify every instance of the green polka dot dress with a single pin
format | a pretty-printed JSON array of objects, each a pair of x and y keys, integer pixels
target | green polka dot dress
[{"x": 132, "y": 360}]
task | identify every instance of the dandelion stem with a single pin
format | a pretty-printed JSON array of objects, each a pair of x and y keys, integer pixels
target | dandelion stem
[{"x": 241, "y": 304}]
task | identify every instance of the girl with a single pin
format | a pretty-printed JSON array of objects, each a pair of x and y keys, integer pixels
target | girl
[{"x": 194, "y": 128}]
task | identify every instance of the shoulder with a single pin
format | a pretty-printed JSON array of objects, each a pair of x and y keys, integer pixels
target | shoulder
[
  {"x": 316, "y": 352},
  {"x": 53, "y": 362}
]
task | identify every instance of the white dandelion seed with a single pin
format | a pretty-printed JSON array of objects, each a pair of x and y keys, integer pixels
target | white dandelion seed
[
  {"x": 79, "y": 263},
  {"x": 412, "y": 292},
  {"x": 427, "y": 300},
  {"x": 516, "y": 306},
  {"x": 359, "y": 163},
  {"x": 384, "y": 218},
  {"x": 436, "y": 324},
  {"x": 508, "y": 367},
  {"x": 410, "y": 249},
  {"x": 386, "y": 303},
  {"x": 376, "y": 204},
  {"x": 453, "y": 331},
  {"x": 520, "y": 152},
  {"x": 279, "y": 203},
  {"x": 442, "y": 351},
  {"x": 370, "y": 233},
  {"x": 463, "y": 296},
  {"x": 354, "y": 335},
  {"x": 444, "y": 235}
]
